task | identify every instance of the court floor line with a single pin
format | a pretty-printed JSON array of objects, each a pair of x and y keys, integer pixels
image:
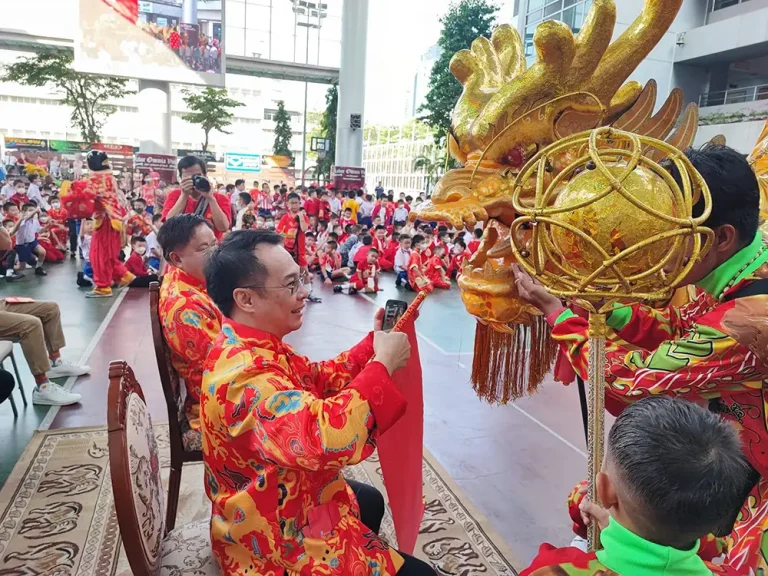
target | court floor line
[
  {"x": 86, "y": 355},
  {"x": 515, "y": 406}
]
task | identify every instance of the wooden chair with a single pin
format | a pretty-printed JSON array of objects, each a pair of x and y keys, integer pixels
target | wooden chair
[
  {"x": 186, "y": 444},
  {"x": 138, "y": 489}
]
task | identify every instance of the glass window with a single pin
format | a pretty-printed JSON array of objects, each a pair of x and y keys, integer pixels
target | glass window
[
  {"x": 257, "y": 18},
  {"x": 569, "y": 17},
  {"x": 534, "y": 17},
  {"x": 552, "y": 9},
  {"x": 535, "y": 5},
  {"x": 235, "y": 12},
  {"x": 235, "y": 41}
]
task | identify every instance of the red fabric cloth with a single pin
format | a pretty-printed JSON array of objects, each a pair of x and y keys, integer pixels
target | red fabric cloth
[
  {"x": 361, "y": 255},
  {"x": 221, "y": 200},
  {"x": 473, "y": 246},
  {"x": 128, "y": 9},
  {"x": 401, "y": 451},
  {"x": 136, "y": 266},
  {"x": 52, "y": 254},
  {"x": 107, "y": 268},
  {"x": 19, "y": 199},
  {"x": 360, "y": 278}
]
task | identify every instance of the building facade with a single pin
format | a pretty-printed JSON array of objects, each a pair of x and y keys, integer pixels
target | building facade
[{"x": 716, "y": 51}]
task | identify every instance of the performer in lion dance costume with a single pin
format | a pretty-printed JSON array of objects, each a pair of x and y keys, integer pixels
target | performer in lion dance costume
[
  {"x": 505, "y": 115},
  {"x": 98, "y": 196}
]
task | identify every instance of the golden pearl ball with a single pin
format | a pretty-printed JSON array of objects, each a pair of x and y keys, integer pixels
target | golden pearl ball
[{"x": 613, "y": 221}]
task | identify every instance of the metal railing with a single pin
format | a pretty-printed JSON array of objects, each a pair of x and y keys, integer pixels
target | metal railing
[{"x": 734, "y": 96}]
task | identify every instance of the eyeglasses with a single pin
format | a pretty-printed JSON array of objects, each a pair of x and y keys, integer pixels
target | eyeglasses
[{"x": 293, "y": 287}]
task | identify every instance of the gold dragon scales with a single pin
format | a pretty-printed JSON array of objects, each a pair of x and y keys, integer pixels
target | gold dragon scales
[{"x": 507, "y": 113}]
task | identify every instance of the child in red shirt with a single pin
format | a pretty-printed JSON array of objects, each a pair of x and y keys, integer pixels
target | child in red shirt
[
  {"x": 366, "y": 278},
  {"x": 54, "y": 249},
  {"x": 136, "y": 263},
  {"x": 460, "y": 255},
  {"x": 294, "y": 226},
  {"x": 475, "y": 244},
  {"x": 19, "y": 197},
  {"x": 380, "y": 243},
  {"x": 330, "y": 264},
  {"x": 312, "y": 204},
  {"x": 324, "y": 207},
  {"x": 434, "y": 270},
  {"x": 311, "y": 247},
  {"x": 416, "y": 278},
  {"x": 140, "y": 222},
  {"x": 346, "y": 219}
]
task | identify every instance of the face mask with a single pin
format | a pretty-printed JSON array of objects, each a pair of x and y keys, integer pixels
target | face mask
[
  {"x": 43, "y": 220},
  {"x": 55, "y": 205},
  {"x": 140, "y": 249},
  {"x": 139, "y": 210}
]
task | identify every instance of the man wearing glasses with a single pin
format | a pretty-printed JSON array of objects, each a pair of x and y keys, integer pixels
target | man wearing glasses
[
  {"x": 190, "y": 319},
  {"x": 278, "y": 429}
]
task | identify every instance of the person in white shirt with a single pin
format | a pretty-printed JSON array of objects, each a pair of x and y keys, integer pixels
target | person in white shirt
[
  {"x": 55, "y": 167},
  {"x": 77, "y": 168},
  {"x": 33, "y": 192},
  {"x": 335, "y": 203},
  {"x": 27, "y": 248},
  {"x": 401, "y": 213},
  {"x": 402, "y": 257},
  {"x": 243, "y": 204},
  {"x": 366, "y": 211}
]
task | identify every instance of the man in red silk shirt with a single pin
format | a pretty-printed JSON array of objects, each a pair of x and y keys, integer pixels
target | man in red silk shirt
[{"x": 278, "y": 429}]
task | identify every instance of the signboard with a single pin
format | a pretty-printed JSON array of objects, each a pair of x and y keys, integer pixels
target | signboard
[
  {"x": 347, "y": 177},
  {"x": 207, "y": 155},
  {"x": 163, "y": 164},
  {"x": 68, "y": 146},
  {"x": 122, "y": 149},
  {"x": 236, "y": 162},
  {"x": 25, "y": 143},
  {"x": 144, "y": 39}
]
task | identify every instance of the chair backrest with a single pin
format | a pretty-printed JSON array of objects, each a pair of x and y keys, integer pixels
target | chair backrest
[
  {"x": 169, "y": 378},
  {"x": 134, "y": 462}
]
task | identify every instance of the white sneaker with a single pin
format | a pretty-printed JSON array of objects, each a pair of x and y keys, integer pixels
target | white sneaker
[
  {"x": 64, "y": 368},
  {"x": 50, "y": 394}
]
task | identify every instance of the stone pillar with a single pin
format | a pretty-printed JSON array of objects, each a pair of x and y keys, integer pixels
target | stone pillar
[
  {"x": 189, "y": 12},
  {"x": 354, "y": 39},
  {"x": 154, "y": 117}
]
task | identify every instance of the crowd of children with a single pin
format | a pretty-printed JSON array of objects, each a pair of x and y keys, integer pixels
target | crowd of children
[{"x": 348, "y": 237}]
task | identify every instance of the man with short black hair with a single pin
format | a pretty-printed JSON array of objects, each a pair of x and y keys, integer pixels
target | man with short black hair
[
  {"x": 190, "y": 319},
  {"x": 190, "y": 199},
  {"x": 673, "y": 472},
  {"x": 713, "y": 350},
  {"x": 284, "y": 427}
]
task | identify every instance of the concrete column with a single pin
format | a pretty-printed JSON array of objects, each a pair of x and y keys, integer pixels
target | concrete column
[
  {"x": 154, "y": 117},
  {"x": 354, "y": 40},
  {"x": 189, "y": 12}
]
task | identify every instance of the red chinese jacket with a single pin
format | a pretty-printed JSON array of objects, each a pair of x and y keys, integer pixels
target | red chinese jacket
[{"x": 277, "y": 431}]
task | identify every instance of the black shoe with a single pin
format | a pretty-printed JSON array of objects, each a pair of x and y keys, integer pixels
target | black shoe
[
  {"x": 13, "y": 277},
  {"x": 352, "y": 291},
  {"x": 314, "y": 299},
  {"x": 409, "y": 288},
  {"x": 40, "y": 272},
  {"x": 73, "y": 256},
  {"x": 398, "y": 284},
  {"x": 337, "y": 289}
]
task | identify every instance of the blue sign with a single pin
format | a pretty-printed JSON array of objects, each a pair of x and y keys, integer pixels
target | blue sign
[{"x": 236, "y": 162}]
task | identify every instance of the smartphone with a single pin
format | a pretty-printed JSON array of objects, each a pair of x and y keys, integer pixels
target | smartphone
[{"x": 392, "y": 313}]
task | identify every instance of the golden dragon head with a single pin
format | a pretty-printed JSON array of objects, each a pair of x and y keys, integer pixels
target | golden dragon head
[{"x": 508, "y": 111}]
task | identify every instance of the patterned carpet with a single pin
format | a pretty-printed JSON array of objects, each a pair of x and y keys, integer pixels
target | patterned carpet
[{"x": 58, "y": 517}]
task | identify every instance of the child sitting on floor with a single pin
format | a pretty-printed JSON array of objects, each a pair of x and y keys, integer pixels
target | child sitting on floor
[
  {"x": 28, "y": 249},
  {"x": 459, "y": 255},
  {"x": 136, "y": 263},
  {"x": 366, "y": 277},
  {"x": 330, "y": 264},
  {"x": 416, "y": 278},
  {"x": 310, "y": 245},
  {"x": 434, "y": 269},
  {"x": 360, "y": 250},
  {"x": 673, "y": 472},
  {"x": 474, "y": 244},
  {"x": 346, "y": 219},
  {"x": 154, "y": 251},
  {"x": 402, "y": 257},
  {"x": 48, "y": 240}
]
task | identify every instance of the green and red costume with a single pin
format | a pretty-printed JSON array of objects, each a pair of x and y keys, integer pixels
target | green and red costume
[{"x": 713, "y": 350}]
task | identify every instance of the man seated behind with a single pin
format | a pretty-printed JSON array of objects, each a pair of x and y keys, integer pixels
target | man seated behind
[
  {"x": 673, "y": 472},
  {"x": 278, "y": 429},
  {"x": 190, "y": 319}
]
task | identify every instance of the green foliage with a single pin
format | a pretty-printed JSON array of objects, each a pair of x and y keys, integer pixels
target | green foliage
[
  {"x": 283, "y": 132},
  {"x": 732, "y": 117},
  {"x": 464, "y": 21},
  {"x": 432, "y": 167},
  {"x": 211, "y": 109},
  {"x": 86, "y": 94},
  {"x": 328, "y": 130}
]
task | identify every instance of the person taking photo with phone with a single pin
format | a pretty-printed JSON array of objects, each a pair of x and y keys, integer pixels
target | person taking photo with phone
[
  {"x": 196, "y": 196},
  {"x": 278, "y": 429}
]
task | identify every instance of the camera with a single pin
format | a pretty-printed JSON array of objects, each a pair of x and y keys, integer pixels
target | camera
[{"x": 201, "y": 183}]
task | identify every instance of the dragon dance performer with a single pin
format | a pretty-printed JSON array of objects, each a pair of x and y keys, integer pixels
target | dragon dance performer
[
  {"x": 713, "y": 350},
  {"x": 107, "y": 227},
  {"x": 278, "y": 429}
]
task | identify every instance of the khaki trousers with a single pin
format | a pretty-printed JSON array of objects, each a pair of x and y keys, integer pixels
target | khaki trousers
[{"x": 37, "y": 326}]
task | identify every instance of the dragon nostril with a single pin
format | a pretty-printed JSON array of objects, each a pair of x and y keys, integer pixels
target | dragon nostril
[{"x": 454, "y": 197}]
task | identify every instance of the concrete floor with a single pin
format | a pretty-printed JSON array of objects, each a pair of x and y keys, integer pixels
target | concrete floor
[{"x": 516, "y": 463}]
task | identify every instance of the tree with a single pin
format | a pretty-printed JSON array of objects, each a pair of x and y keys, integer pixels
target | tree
[
  {"x": 211, "y": 109},
  {"x": 86, "y": 94},
  {"x": 328, "y": 131},
  {"x": 283, "y": 132},
  {"x": 464, "y": 21},
  {"x": 432, "y": 168}
]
